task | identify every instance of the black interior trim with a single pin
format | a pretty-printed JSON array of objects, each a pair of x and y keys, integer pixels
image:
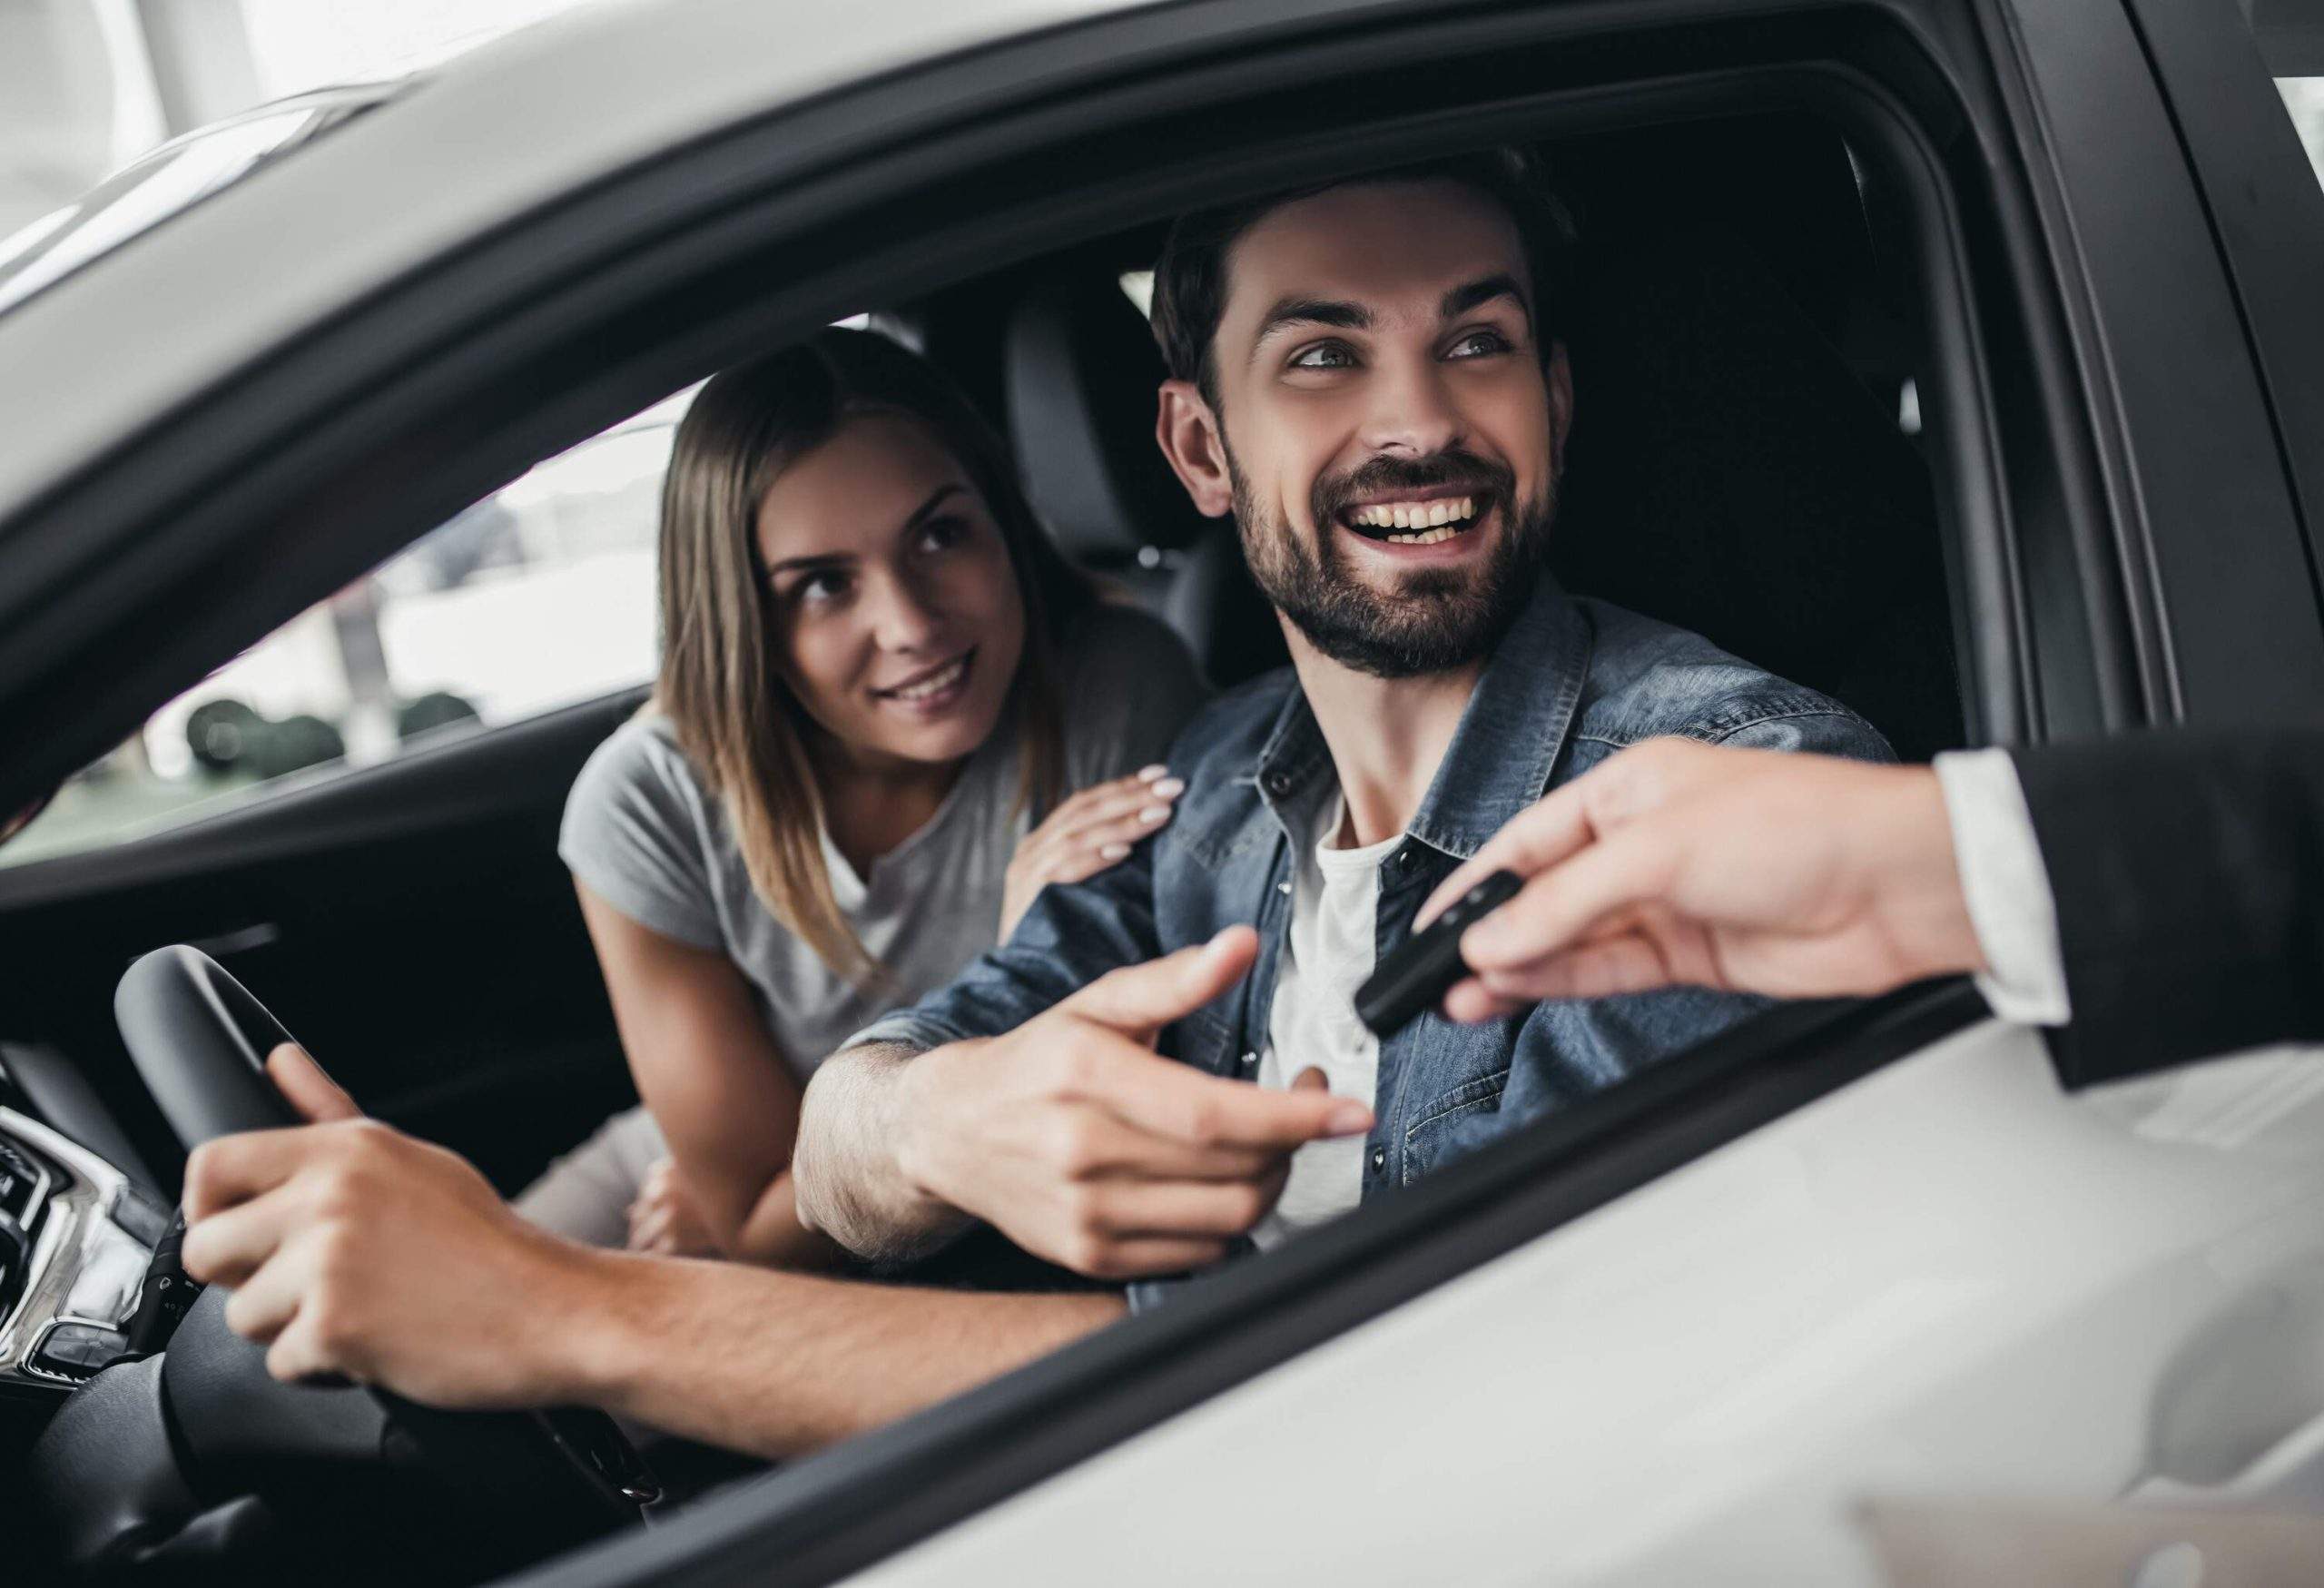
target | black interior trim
[
  {"x": 818, "y": 1520},
  {"x": 2239, "y": 146}
]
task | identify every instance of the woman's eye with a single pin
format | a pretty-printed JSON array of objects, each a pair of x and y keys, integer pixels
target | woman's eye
[
  {"x": 819, "y": 587},
  {"x": 1324, "y": 356},
  {"x": 1478, "y": 344},
  {"x": 942, "y": 535}
]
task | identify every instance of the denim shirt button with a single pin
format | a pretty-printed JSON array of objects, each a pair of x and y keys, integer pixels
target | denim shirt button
[
  {"x": 1379, "y": 1159},
  {"x": 1405, "y": 858},
  {"x": 1250, "y": 1060},
  {"x": 1277, "y": 783}
]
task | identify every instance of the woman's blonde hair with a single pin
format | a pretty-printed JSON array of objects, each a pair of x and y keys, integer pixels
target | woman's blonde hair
[{"x": 720, "y": 684}]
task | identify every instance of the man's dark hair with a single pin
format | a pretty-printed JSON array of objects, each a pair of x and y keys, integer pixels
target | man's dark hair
[{"x": 1190, "y": 277}]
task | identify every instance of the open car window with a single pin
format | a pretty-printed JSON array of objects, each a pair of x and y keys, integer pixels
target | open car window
[{"x": 538, "y": 596}]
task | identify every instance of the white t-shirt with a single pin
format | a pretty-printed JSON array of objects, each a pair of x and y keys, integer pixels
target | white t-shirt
[{"x": 1334, "y": 923}]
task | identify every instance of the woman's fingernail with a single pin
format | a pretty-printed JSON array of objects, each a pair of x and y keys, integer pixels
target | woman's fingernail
[
  {"x": 1149, "y": 774},
  {"x": 1114, "y": 851},
  {"x": 1153, "y": 814},
  {"x": 1169, "y": 787}
]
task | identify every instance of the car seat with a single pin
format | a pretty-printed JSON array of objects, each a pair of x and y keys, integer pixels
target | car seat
[
  {"x": 1080, "y": 373},
  {"x": 1737, "y": 465}
]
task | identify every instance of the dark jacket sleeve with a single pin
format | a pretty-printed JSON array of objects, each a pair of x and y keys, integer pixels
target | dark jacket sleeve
[{"x": 2189, "y": 874}]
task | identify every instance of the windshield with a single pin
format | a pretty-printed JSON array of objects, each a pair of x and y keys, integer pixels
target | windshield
[{"x": 166, "y": 182}]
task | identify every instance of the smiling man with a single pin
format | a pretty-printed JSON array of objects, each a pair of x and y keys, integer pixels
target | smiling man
[{"x": 1368, "y": 376}]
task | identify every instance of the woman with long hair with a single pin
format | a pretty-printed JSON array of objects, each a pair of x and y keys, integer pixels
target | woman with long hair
[{"x": 880, "y": 687}]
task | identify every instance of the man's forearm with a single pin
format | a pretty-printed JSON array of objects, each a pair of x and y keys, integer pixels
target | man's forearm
[
  {"x": 780, "y": 1363},
  {"x": 847, "y": 1169}
]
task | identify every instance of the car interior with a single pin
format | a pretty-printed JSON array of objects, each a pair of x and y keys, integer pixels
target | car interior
[{"x": 1747, "y": 462}]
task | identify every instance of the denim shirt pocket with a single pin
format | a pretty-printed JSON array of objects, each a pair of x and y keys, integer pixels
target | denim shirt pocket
[
  {"x": 1432, "y": 1121},
  {"x": 1202, "y": 1039}
]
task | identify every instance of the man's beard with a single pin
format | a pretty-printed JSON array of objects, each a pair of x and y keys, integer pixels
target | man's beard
[{"x": 1437, "y": 618}]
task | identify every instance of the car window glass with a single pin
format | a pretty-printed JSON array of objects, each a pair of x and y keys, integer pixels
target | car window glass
[
  {"x": 2303, "y": 98},
  {"x": 538, "y": 596}
]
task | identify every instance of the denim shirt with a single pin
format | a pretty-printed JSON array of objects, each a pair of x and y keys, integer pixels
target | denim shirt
[{"x": 1572, "y": 681}]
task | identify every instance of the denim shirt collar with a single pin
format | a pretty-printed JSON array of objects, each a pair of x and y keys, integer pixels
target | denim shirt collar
[{"x": 1501, "y": 756}]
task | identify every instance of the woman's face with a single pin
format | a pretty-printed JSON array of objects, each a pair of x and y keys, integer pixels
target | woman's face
[{"x": 897, "y": 616}]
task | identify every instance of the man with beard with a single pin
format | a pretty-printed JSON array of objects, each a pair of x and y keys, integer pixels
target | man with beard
[{"x": 1368, "y": 376}]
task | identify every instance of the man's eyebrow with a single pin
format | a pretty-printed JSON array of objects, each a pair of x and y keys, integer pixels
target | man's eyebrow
[
  {"x": 1291, "y": 311},
  {"x": 919, "y": 515},
  {"x": 1483, "y": 290}
]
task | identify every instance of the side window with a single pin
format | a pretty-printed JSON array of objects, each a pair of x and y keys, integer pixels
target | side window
[
  {"x": 2303, "y": 98},
  {"x": 540, "y": 596}
]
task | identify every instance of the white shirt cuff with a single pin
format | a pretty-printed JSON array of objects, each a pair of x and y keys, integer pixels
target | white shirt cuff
[{"x": 2006, "y": 886}]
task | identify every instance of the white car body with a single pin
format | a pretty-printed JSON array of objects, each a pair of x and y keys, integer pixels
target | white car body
[{"x": 1948, "y": 1285}]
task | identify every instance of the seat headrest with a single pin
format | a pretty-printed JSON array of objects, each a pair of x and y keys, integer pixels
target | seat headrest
[
  {"x": 1083, "y": 371},
  {"x": 1730, "y": 475}
]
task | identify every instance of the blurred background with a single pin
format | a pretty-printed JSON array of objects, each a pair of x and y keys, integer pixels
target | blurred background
[{"x": 115, "y": 113}]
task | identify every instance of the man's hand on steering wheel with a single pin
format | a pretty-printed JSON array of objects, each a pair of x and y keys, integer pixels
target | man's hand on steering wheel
[{"x": 353, "y": 1250}]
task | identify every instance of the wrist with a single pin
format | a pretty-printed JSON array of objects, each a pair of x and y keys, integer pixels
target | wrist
[
  {"x": 917, "y": 1137},
  {"x": 1913, "y": 875},
  {"x": 600, "y": 1301}
]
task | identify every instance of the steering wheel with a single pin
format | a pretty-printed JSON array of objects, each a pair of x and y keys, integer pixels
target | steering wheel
[{"x": 536, "y": 1482}]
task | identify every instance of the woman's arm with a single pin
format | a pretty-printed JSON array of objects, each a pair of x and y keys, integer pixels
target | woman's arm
[{"x": 710, "y": 1074}]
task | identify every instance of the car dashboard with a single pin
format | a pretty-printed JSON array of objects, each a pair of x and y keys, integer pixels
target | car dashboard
[{"x": 77, "y": 1238}]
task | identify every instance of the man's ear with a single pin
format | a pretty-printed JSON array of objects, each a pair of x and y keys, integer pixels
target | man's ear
[
  {"x": 1561, "y": 379},
  {"x": 1190, "y": 437}
]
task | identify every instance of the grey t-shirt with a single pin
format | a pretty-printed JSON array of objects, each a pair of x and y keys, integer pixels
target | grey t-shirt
[{"x": 646, "y": 835}]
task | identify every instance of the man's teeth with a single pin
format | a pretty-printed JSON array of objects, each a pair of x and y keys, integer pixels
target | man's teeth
[
  {"x": 936, "y": 685},
  {"x": 1424, "y": 517}
]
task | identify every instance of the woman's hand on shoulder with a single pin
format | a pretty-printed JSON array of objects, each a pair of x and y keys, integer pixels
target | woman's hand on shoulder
[
  {"x": 665, "y": 1219},
  {"x": 1086, "y": 833}
]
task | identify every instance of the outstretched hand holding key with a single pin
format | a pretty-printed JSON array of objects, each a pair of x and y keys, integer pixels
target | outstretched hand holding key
[{"x": 1682, "y": 863}]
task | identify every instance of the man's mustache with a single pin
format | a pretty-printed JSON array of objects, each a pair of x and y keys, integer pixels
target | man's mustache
[{"x": 1383, "y": 475}]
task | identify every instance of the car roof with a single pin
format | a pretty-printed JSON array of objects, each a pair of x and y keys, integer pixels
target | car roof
[{"x": 546, "y": 111}]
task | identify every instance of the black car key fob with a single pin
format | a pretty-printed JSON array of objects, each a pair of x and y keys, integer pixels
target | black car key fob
[{"x": 1422, "y": 969}]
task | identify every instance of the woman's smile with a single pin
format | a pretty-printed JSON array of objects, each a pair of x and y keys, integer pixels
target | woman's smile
[{"x": 933, "y": 691}]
